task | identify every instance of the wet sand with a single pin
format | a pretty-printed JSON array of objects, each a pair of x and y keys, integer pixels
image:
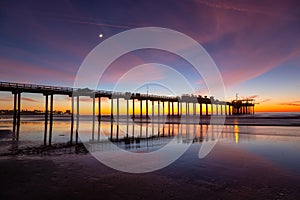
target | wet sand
[
  {"x": 227, "y": 173},
  {"x": 251, "y": 162}
]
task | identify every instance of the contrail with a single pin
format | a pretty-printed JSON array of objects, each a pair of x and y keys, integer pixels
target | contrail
[
  {"x": 92, "y": 21},
  {"x": 98, "y": 24}
]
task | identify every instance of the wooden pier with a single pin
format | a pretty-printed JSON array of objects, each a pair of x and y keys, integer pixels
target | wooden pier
[{"x": 236, "y": 107}]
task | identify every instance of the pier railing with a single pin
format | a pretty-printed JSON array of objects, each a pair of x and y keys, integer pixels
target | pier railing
[{"x": 26, "y": 86}]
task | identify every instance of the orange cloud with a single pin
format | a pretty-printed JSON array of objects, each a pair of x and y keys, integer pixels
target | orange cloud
[
  {"x": 250, "y": 97},
  {"x": 265, "y": 100},
  {"x": 292, "y": 103}
]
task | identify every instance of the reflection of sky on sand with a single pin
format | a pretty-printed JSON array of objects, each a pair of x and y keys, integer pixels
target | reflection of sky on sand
[
  {"x": 282, "y": 150},
  {"x": 277, "y": 144}
]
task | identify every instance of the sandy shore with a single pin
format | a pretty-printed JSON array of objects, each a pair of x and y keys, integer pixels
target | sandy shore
[{"x": 227, "y": 173}]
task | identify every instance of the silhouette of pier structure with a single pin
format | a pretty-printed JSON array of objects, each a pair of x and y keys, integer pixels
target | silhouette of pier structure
[
  {"x": 243, "y": 106},
  {"x": 217, "y": 107}
]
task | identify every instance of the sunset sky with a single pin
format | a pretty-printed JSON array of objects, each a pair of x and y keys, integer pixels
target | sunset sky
[{"x": 255, "y": 44}]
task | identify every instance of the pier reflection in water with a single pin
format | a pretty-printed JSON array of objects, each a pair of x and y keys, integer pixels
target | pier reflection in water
[
  {"x": 149, "y": 136},
  {"x": 124, "y": 132}
]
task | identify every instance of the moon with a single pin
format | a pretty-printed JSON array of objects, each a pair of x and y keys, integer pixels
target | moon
[{"x": 100, "y": 35}]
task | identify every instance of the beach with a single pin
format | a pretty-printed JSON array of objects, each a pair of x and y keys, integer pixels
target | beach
[
  {"x": 82, "y": 177},
  {"x": 248, "y": 162}
]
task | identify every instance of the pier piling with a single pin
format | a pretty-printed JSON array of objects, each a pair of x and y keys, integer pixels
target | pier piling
[
  {"x": 72, "y": 119},
  {"x": 51, "y": 119},
  {"x": 46, "y": 119}
]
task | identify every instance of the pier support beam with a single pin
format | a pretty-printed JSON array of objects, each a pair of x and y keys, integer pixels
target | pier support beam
[
  {"x": 147, "y": 113},
  {"x": 200, "y": 109},
  {"x": 133, "y": 112},
  {"x": 206, "y": 109},
  {"x": 18, "y": 116},
  {"x": 15, "y": 115},
  {"x": 99, "y": 119},
  {"x": 186, "y": 108},
  {"x": 141, "y": 109},
  {"x": 221, "y": 109},
  {"x": 46, "y": 120},
  {"x": 118, "y": 118},
  {"x": 51, "y": 119},
  {"x": 169, "y": 110},
  {"x": 77, "y": 120},
  {"x": 72, "y": 120},
  {"x": 152, "y": 109}
]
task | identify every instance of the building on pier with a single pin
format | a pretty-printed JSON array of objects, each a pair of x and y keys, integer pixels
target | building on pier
[{"x": 243, "y": 107}]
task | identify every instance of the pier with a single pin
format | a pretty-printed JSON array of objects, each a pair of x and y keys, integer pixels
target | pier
[{"x": 194, "y": 105}]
